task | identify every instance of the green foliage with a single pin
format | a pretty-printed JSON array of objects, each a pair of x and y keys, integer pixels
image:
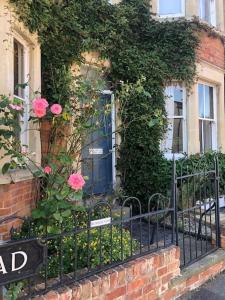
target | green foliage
[
  {"x": 144, "y": 53},
  {"x": 193, "y": 188},
  {"x": 76, "y": 253},
  {"x": 106, "y": 245},
  {"x": 14, "y": 290}
]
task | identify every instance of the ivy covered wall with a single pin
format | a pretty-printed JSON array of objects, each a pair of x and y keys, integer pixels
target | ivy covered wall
[{"x": 145, "y": 54}]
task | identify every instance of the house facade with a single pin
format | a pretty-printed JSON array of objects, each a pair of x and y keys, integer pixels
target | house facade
[
  {"x": 196, "y": 117},
  {"x": 20, "y": 59},
  {"x": 196, "y": 120}
]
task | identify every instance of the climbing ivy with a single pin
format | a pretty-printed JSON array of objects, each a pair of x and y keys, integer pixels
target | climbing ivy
[{"x": 144, "y": 53}]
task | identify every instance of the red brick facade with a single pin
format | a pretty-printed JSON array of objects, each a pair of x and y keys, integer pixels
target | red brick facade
[
  {"x": 211, "y": 50},
  {"x": 16, "y": 199}
]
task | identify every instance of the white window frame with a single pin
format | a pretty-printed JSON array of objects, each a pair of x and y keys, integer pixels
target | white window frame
[
  {"x": 169, "y": 155},
  {"x": 214, "y": 120},
  {"x": 212, "y": 12},
  {"x": 182, "y": 14},
  {"x": 24, "y": 123}
]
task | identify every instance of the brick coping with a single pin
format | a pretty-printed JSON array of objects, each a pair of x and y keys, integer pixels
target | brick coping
[{"x": 198, "y": 273}]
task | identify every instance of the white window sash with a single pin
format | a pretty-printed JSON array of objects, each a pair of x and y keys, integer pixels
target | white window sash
[
  {"x": 212, "y": 11},
  {"x": 170, "y": 155},
  {"x": 24, "y": 135},
  {"x": 181, "y": 14},
  {"x": 213, "y": 121}
]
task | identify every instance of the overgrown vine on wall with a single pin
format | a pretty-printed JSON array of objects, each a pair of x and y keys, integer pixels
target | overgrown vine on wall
[{"x": 145, "y": 54}]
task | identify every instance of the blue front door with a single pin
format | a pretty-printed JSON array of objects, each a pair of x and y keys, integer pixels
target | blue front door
[{"x": 97, "y": 153}]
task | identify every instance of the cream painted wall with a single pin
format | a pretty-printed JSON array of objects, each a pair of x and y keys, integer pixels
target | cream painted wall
[
  {"x": 11, "y": 28},
  {"x": 215, "y": 76},
  {"x": 192, "y": 7}
]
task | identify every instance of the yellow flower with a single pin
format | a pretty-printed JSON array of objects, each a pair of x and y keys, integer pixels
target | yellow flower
[{"x": 66, "y": 116}]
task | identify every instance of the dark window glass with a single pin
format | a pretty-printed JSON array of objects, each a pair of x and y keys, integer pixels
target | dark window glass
[
  {"x": 205, "y": 135},
  {"x": 18, "y": 69},
  {"x": 177, "y": 136}
]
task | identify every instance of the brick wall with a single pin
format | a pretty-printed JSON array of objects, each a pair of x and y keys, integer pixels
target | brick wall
[
  {"x": 144, "y": 278},
  {"x": 211, "y": 49},
  {"x": 153, "y": 277},
  {"x": 16, "y": 199}
]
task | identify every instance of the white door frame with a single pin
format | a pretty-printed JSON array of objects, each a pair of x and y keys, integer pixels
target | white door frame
[{"x": 113, "y": 150}]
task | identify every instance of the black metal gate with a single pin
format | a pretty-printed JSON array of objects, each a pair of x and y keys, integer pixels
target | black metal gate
[{"x": 196, "y": 203}]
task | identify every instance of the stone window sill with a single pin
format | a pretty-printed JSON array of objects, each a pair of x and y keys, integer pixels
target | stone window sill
[{"x": 14, "y": 176}]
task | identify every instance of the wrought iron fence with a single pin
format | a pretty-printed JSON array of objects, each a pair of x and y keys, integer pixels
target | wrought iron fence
[
  {"x": 196, "y": 202},
  {"x": 91, "y": 241},
  {"x": 100, "y": 237}
]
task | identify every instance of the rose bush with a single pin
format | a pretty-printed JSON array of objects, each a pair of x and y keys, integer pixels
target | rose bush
[{"x": 60, "y": 176}]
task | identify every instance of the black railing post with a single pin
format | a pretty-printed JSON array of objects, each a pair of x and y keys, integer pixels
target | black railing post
[
  {"x": 174, "y": 203},
  {"x": 217, "y": 179},
  {"x": 1, "y": 293}
]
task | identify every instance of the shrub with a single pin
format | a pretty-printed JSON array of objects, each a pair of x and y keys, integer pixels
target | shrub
[{"x": 71, "y": 251}]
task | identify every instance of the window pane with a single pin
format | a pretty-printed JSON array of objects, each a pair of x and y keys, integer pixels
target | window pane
[
  {"x": 205, "y": 135},
  {"x": 177, "y": 136},
  {"x": 207, "y": 11},
  {"x": 170, "y": 7},
  {"x": 208, "y": 102},
  {"x": 16, "y": 71},
  {"x": 207, "y": 129},
  {"x": 174, "y": 101},
  {"x": 18, "y": 68},
  {"x": 178, "y": 102},
  {"x": 204, "y": 10},
  {"x": 211, "y": 102},
  {"x": 173, "y": 141},
  {"x": 200, "y": 136},
  {"x": 201, "y": 100}
]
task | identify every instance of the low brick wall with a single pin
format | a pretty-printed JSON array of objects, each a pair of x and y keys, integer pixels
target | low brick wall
[
  {"x": 144, "y": 278},
  {"x": 153, "y": 277},
  {"x": 197, "y": 274},
  {"x": 16, "y": 199}
]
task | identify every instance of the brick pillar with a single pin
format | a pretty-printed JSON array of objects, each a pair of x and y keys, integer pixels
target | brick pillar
[{"x": 16, "y": 199}]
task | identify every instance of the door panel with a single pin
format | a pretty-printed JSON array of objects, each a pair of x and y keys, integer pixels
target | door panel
[{"x": 97, "y": 153}]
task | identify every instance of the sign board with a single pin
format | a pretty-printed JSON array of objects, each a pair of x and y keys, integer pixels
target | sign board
[
  {"x": 100, "y": 222},
  {"x": 97, "y": 151},
  {"x": 20, "y": 259}
]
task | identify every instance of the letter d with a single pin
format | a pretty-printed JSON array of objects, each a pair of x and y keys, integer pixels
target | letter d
[{"x": 14, "y": 260}]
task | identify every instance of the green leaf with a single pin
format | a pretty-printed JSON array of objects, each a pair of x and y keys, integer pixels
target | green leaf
[
  {"x": 66, "y": 213},
  {"x": 5, "y": 168},
  {"x": 38, "y": 173},
  {"x": 58, "y": 217},
  {"x": 38, "y": 213}
]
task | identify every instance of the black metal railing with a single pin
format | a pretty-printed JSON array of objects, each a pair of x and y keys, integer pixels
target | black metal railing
[
  {"x": 95, "y": 240},
  {"x": 196, "y": 202}
]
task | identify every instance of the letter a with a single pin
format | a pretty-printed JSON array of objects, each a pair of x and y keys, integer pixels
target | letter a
[{"x": 2, "y": 269}]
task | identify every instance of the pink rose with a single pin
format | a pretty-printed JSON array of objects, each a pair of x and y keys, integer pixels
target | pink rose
[
  {"x": 47, "y": 170},
  {"x": 76, "y": 181},
  {"x": 39, "y": 107},
  {"x": 56, "y": 109},
  {"x": 16, "y": 107}
]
